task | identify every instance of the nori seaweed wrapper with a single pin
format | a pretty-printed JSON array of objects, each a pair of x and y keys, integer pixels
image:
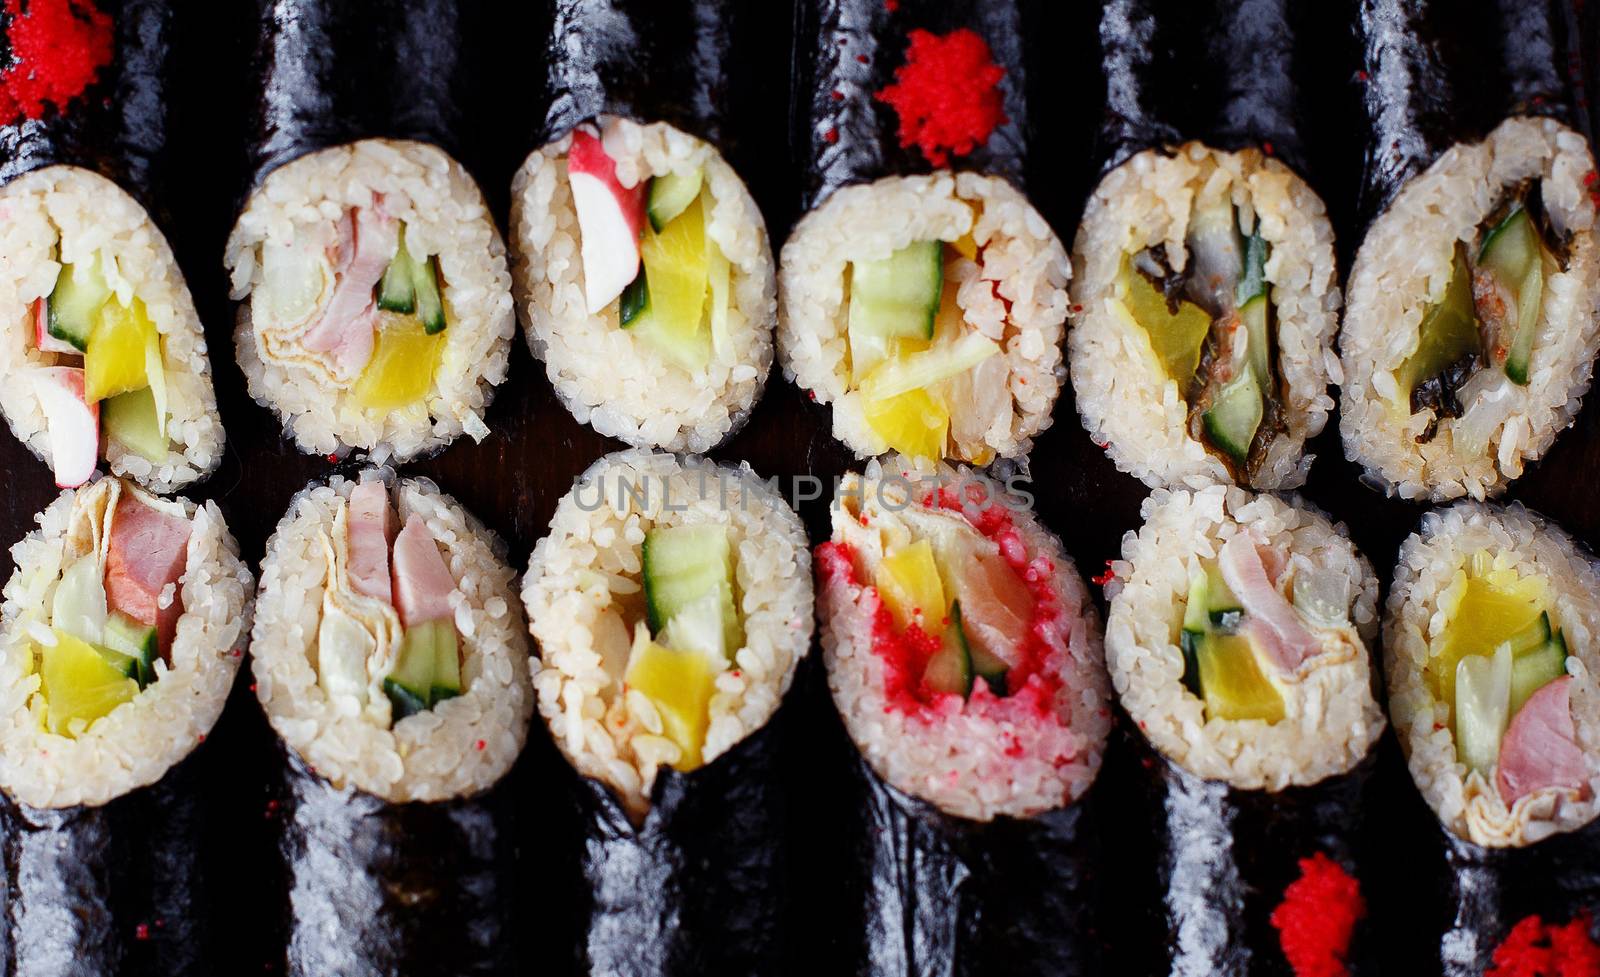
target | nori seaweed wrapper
[
  {"x": 701, "y": 886},
  {"x": 376, "y": 888},
  {"x": 1222, "y": 858},
  {"x": 847, "y": 51},
  {"x": 112, "y": 890},
  {"x": 1487, "y": 891},
  {"x": 1439, "y": 72},
  {"x": 331, "y": 72},
  {"x": 118, "y": 126}
]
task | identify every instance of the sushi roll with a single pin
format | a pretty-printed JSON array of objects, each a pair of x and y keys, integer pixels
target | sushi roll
[
  {"x": 374, "y": 297},
  {"x": 964, "y": 655},
  {"x": 1237, "y": 640},
  {"x": 643, "y": 270},
  {"x": 1489, "y": 646},
  {"x": 120, "y": 635},
  {"x": 922, "y": 296},
  {"x": 671, "y": 604},
  {"x": 389, "y": 656},
  {"x": 106, "y": 359},
  {"x": 1471, "y": 330},
  {"x": 1205, "y": 296}
]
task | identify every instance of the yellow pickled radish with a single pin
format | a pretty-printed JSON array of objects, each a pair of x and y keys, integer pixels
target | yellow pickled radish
[
  {"x": 677, "y": 274},
  {"x": 1176, "y": 338},
  {"x": 400, "y": 373},
  {"x": 1234, "y": 683},
  {"x": 79, "y": 683},
  {"x": 966, "y": 245},
  {"x": 679, "y": 684},
  {"x": 908, "y": 582},
  {"x": 117, "y": 358},
  {"x": 1483, "y": 609},
  {"x": 913, "y": 423}
]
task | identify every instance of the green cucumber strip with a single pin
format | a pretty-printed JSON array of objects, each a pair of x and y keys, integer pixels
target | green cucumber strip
[
  {"x": 899, "y": 295},
  {"x": 1533, "y": 637},
  {"x": 682, "y": 564},
  {"x": 1189, "y": 643},
  {"x": 131, "y": 420},
  {"x": 75, "y": 303},
  {"x": 1535, "y": 669},
  {"x": 1253, "y": 284},
  {"x": 1530, "y": 300},
  {"x": 1232, "y": 421},
  {"x": 671, "y": 195},
  {"x": 950, "y": 668},
  {"x": 430, "y": 304},
  {"x": 126, "y": 636},
  {"x": 446, "y": 661},
  {"x": 397, "y": 292},
  {"x": 129, "y": 666},
  {"x": 1255, "y": 315},
  {"x": 410, "y": 684},
  {"x": 635, "y": 298}
]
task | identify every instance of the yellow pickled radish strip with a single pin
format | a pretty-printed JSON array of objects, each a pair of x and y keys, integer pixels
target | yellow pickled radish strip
[
  {"x": 1176, "y": 338},
  {"x": 913, "y": 423},
  {"x": 1483, "y": 609},
  {"x": 679, "y": 684},
  {"x": 1234, "y": 683},
  {"x": 79, "y": 684},
  {"x": 400, "y": 373},
  {"x": 117, "y": 358},
  {"x": 908, "y": 582}
]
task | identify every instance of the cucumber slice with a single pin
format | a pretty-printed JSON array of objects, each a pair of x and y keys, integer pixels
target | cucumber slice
[
  {"x": 897, "y": 296},
  {"x": 75, "y": 303},
  {"x": 79, "y": 604},
  {"x": 1448, "y": 334},
  {"x": 1513, "y": 254},
  {"x": 1533, "y": 670},
  {"x": 682, "y": 564},
  {"x": 671, "y": 195},
  {"x": 1195, "y": 623},
  {"x": 1255, "y": 315},
  {"x": 1532, "y": 637},
  {"x": 1232, "y": 421},
  {"x": 410, "y": 685},
  {"x": 126, "y": 665},
  {"x": 430, "y": 305},
  {"x": 130, "y": 419},
  {"x": 124, "y": 635},
  {"x": 635, "y": 299},
  {"x": 446, "y": 661},
  {"x": 398, "y": 291},
  {"x": 1253, "y": 284},
  {"x": 1529, "y": 302},
  {"x": 950, "y": 669}
]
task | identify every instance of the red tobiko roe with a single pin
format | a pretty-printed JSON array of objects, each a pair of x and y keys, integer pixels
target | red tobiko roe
[
  {"x": 947, "y": 94},
  {"x": 1535, "y": 948},
  {"x": 1318, "y": 916},
  {"x": 57, "y": 49}
]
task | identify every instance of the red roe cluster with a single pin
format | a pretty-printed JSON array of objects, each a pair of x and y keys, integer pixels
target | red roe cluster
[
  {"x": 1318, "y": 916},
  {"x": 57, "y": 49},
  {"x": 1535, "y": 948},
  {"x": 947, "y": 94}
]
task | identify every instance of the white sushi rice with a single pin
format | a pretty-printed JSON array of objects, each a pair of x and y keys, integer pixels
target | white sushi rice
[
  {"x": 584, "y": 592},
  {"x": 1331, "y": 718},
  {"x": 140, "y": 740},
  {"x": 1469, "y": 804},
  {"x": 1124, "y": 395},
  {"x": 461, "y": 746},
  {"x": 1024, "y": 265},
  {"x": 66, "y": 214},
  {"x": 1404, "y": 266},
  {"x": 974, "y": 759},
  {"x": 604, "y": 374},
  {"x": 445, "y": 215}
]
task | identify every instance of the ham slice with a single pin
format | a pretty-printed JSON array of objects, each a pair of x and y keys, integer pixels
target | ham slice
[
  {"x": 1540, "y": 748},
  {"x": 422, "y": 583},
  {"x": 148, "y": 550},
  {"x": 371, "y": 530},
  {"x": 1276, "y": 626},
  {"x": 346, "y": 329}
]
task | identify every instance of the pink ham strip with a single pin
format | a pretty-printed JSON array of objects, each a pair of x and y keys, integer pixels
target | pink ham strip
[
  {"x": 371, "y": 529},
  {"x": 148, "y": 551},
  {"x": 1277, "y": 627},
  {"x": 347, "y": 328},
  {"x": 1540, "y": 748},
  {"x": 422, "y": 583}
]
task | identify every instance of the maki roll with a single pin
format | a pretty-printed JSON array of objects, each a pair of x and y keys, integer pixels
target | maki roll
[
  {"x": 671, "y": 603},
  {"x": 107, "y": 356},
  {"x": 1471, "y": 330},
  {"x": 964, "y": 656},
  {"x": 374, "y": 299},
  {"x": 643, "y": 269},
  {"x": 389, "y": 656},
  {"x": 1237, "y": 641},
  {"x": 1489, "y": 641},
  {"x": 1205, "y": 295},
  {"x": 120, "y": 636},
  {"x": 922, "y": 296}
]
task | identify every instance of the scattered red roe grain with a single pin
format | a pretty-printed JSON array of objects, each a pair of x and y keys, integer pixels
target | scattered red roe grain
[
  {"x": 142, "y": 931},
  {"x": 947, "y": 94},
  {"x": 1535, "y": 948},
  {"x": 1318, "y": 916},
  {"x": 57, "y": 49},
  {"x": 1102, "y": 579}
]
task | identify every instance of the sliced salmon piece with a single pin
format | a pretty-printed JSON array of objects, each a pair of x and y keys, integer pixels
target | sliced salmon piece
[
  {"x": 1287, "y": 642},
  {"x": 1540, "y": 748},
  {"x": 422, "y": 582},
  {"x": 371, "y": 528},
  {"x": 148, "y": 551},
  {"x": 996, "y": 605}
]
